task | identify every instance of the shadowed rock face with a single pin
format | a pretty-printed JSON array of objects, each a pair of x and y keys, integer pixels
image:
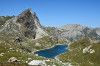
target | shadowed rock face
[{"x": 28, "y": 26}]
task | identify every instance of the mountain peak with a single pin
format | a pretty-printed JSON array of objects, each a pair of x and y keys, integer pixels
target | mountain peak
[
  {"x": 26, "y": 24},
  {"x": 28, "y": 10},
  {"x": 29, "y": 24},
  {"x": 34, "y": 14},
  {"x": 27, "y": 13}
]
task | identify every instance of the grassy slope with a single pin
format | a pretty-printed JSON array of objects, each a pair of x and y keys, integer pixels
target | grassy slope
[
  {"x": 4, "y": 48},
  {"x": 6, "y": 42},
  {"x": 13, "y": 64},
  {"x": 4, "y": 19},
  {"x": 20, "y": 55},
  {"x": 44, "y": 42},
  {"x": 76, "y": 56}
]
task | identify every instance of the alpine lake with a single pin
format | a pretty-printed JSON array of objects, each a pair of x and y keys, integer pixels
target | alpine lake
[{"x": 52, "y": 52}]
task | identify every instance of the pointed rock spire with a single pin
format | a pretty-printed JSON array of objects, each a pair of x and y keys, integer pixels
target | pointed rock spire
[
  {"x": 27, "y": 24},
  {"x": 34, "y": 14},
  {"x": 27, "y": 12},
  {"x": 30, "y": 25}
]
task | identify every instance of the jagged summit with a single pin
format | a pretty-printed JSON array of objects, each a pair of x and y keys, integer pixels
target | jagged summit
[
  {"x": 28, "y": 25},
  {"x": 28, "y": 12},
  {"x": 34, "y": 14}
]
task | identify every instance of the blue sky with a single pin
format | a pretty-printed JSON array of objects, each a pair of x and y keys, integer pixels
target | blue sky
[{"x": 56, "y": 13}]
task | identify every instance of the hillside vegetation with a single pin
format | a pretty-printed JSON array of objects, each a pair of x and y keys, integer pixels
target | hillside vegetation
[
  {"x": 81, "y": 53},
  {"x": 3, "y": 20},
  {"x": 11, "y": 49}
]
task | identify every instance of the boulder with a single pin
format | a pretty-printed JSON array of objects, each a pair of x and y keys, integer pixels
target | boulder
[
  {"x": 1, "y": 54},
  {"x": 37, "y": 62},
  {"x": 12, "y": 59}
]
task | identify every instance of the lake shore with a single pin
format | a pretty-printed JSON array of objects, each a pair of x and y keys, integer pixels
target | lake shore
[
  {"x": 47, "y": 48},
  {"x": 56, "y": 48}
]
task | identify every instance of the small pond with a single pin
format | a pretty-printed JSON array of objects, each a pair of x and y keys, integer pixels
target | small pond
[{"x": 52, "y": 52}]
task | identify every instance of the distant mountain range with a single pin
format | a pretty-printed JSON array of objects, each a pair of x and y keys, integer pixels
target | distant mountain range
[{"x": 73, "y": 32}]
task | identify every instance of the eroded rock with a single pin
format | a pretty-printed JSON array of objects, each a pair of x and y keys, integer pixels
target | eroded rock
[{"x": 12, "y": 59}]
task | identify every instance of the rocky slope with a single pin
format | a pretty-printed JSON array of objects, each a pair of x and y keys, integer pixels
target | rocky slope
[
  {"x": 26, "y": 24},
  {"x": 98, "y": 31},
  {"x": 21, "y": 36},
  {"x": 26, "y": 30},
  {"x": 74, "y": 32}
]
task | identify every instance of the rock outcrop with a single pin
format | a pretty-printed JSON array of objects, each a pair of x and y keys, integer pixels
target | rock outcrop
[
  {"x": 26, "y": 24},
  {"x": 29, "y": 25},
  {"x": 37, "y": 63},
  {"x": 12, "y": 59}
]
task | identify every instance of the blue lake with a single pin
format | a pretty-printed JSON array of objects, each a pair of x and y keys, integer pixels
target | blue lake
[{"x": 52, "y": 52}]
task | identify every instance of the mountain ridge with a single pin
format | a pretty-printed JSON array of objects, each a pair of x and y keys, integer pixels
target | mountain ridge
[
  {"x": 28, "y": 25},
  {"x": 74, "y": 32}
]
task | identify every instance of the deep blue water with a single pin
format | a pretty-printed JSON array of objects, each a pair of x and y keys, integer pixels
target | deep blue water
[{"x": 52, "y": 52}]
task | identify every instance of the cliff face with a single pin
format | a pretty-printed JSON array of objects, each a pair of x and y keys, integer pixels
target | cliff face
[
  {"x": 26, "y": 24},
  {"x": 30, "y": 24}
]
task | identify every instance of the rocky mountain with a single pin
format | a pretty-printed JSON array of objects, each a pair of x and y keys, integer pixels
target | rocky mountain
[
  {"x": 26, "y": 24},
  {"x": 25, "y": 30},
  {"x": 74, "y": 32},
  {"x": 21, "y": 36}
]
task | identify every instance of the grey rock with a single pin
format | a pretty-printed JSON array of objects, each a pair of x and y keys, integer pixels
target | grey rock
[
  {"x": 98, "y": 31},
  {"x": 73, "y": 32},
  {"x": 26, "y": 24},
  {"x": 12, "y": 59},
  {"x": 30, "y": 23},
  {"x": 76, "y": 32}
]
